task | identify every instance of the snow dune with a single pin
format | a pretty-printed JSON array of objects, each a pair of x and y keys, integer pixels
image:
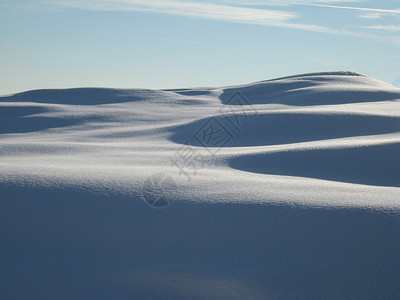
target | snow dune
[
  {"x": 314, "y": 138},
  {"x": 278, "y": 189}
]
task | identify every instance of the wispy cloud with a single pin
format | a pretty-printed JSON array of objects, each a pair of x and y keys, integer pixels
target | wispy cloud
[
  {"x": 389, "y": 39},
  {"x": 371, "y": 16},
  {"x": 286, "y": 2},
  {"x": 240, "y": 14},
  {"x": 384, "y": 27},
  {"x": 243, "y": 12},
  {"x": 29, "y": 6},
  {"x": 365, "y": 9},
  {"x": 197, "y": 9}
]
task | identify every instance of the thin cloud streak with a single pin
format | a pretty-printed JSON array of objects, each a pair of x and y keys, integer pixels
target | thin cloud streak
[
  {"x": 378, "y": 10},
  {"x": 209, "y": 10},
  {"x": 371, "y": 16},
  {"x": 374, "y": 37},
  {"x": 276, "y": 18},
  {"x": 285, "y": 2},
  {"x": 384, "y": 27},
  {"x": 235, "y": 13}
]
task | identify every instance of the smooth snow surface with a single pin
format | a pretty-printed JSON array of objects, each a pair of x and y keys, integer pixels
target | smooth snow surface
[
  {"x": 329, "y": 139},
  {"x": 77, "y": 164}
]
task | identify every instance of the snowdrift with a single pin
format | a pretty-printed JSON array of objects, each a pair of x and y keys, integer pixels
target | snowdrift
[{"x": 281, "y": 189}]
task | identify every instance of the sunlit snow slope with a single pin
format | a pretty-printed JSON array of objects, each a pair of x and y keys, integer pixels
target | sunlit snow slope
[
  {"x": 330, "y": 139},
  {"x": 282, "y": 189}
]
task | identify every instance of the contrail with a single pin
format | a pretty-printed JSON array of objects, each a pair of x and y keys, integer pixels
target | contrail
[{"x": 392, "y": 11}]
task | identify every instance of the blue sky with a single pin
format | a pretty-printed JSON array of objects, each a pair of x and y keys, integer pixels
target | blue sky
[{"x": 172, "y": 44}]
